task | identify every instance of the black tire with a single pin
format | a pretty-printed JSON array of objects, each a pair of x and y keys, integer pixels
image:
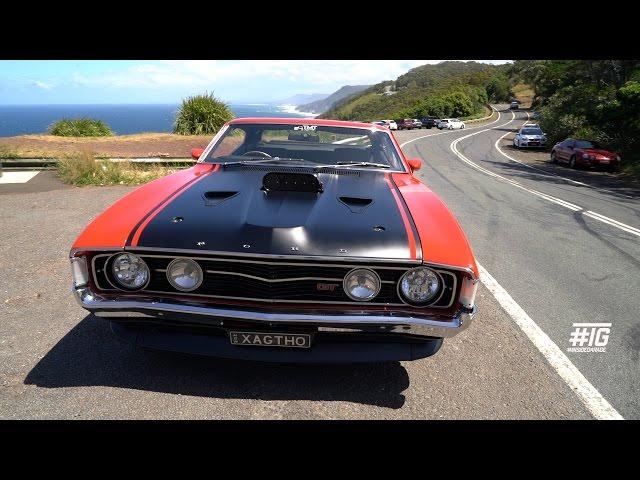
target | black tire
[
  {"x": 553, "y": 158},
  {"x": 572, "y": 162}
]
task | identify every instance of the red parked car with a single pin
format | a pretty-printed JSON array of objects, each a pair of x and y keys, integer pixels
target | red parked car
[
  {"x": 405, "y": 124},
  {"x": 584, "y": 153},
  {"x": 291, "y": 240}
]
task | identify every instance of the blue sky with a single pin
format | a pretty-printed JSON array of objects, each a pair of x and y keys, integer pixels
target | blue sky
[{"x": 25, "y": 82}]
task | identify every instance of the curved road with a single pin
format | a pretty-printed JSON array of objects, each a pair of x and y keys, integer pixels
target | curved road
[
  {"x": 565, "y": 248},
  {"x": 553, "y": 262}
]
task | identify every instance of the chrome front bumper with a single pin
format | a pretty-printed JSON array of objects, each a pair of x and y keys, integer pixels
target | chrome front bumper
[{"x": 362, "y": 321}]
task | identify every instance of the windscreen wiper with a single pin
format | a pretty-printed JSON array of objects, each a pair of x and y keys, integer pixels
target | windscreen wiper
[
  {"x": 262, "y": 160},
  {"x": 356, "y": 164}
]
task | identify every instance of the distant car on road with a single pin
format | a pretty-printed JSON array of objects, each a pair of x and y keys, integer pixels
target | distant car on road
[
  {"x": 584, "y": 153},
  {"x": 392, "y": 124},
  {"x": 514, "y": 105},
  {"x": 530, "y": 136},
  {"x": 417, "y": 123},
  {"x": 429, "y": 122},
  {"x": 450, "y": 124},
  {"x": 405, "y": 124}
]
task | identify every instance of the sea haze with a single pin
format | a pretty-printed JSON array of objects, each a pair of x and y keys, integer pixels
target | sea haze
[{"x": 123, "y": 119}]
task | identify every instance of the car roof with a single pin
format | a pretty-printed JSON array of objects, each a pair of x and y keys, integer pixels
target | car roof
[{"x": 304, "y": 121}]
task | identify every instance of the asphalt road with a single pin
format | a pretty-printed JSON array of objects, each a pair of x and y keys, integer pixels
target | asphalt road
[
  {"x": 561, "y": 265},
  {"x": 58, "y": 362}
]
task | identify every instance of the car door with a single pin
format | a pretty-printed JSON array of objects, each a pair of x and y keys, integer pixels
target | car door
[{"x": 567, "y": 149}]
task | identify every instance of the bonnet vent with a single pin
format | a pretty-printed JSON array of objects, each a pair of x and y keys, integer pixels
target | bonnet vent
[
  {"x": 291, "y": 182},
  {"x": 214, "y": 198},
  {"x": 356, "y": 204}
]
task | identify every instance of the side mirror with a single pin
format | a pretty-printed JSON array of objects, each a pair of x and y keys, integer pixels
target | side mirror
[
  {"x": 196, "y": 153},
  {"x": 415, "y": 164}
]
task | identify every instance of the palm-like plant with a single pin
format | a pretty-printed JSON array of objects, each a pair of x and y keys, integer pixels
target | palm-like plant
[
  {"x": 80, "y": 127},
  {"x": 201, "y": 115}
]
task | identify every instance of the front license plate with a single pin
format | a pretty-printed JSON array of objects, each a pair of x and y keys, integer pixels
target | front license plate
[
  {"x": 604, "y": 161},
  {"x": 256, "y": 339}
]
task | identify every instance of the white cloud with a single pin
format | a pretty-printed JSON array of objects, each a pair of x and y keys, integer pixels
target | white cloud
[{"x": 43, "y": 85}]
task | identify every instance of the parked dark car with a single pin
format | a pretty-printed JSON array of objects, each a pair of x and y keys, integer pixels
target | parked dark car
[
  {"x": 584, "y": 153},
  {"x": 405, "y": 124},
  {"x": 429, "y": 122}
]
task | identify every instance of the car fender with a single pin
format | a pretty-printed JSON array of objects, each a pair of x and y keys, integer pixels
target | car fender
[
  {"x": 113, "y": 226},
  {"x": 442, "y": 239}
]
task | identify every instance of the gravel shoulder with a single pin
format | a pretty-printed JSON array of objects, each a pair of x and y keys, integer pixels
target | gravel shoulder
[{"x": 58, "y": 362}]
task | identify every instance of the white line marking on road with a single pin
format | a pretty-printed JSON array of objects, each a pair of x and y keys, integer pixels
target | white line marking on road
[
  {"x": 17, "y": 177},
  {"x": 612, "y": 222},
  {"x": 597, "y": 405},
  {"x": 558, "y": 201},
  {"x": 497, "y": 147}
]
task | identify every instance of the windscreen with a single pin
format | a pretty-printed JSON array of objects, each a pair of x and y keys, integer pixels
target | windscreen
[
  {"x": 586, "y": 144},
  {"x": 306, "y": 144}
]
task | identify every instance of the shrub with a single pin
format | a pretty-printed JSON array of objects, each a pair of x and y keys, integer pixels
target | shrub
[
  {"x": 83, "y": 169},
  {"x": 80, "y": 127},
  {"x": 201, "y": 115}
]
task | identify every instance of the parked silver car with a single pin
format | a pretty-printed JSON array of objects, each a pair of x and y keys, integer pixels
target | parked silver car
[{"x": 530, "y": 136}]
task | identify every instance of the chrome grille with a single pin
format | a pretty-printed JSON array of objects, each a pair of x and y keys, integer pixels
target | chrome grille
[{"x": 257, "y": 279}]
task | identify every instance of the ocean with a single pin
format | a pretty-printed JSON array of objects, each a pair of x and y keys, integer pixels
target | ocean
[{"x": 123, "y": 119}]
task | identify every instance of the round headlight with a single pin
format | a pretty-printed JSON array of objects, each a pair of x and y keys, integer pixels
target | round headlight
[
  {"x": 420, "y": 285},
  {"x": 361, "y": 284},
  {"x": 130, "y": 271},
  {"x": 184, "y": 274}
]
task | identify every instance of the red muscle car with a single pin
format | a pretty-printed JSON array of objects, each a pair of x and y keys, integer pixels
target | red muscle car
[
  {"x": 584, "y": 153},
  {"x": 290, "y": 240}
]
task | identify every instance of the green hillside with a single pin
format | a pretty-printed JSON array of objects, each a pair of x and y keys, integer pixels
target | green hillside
[{"x": 446, "y": 89}]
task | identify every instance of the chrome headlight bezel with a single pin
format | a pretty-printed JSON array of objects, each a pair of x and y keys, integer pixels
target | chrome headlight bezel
[
  {"x": 376, "y": 279},
  {"x": 117, "y": 282},
  {"x": 176, "y": 285},
  {"x": 429, "y": 301}
]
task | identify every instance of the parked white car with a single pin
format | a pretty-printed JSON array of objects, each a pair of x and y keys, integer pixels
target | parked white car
[
  {"x": 450, "y": 124},
  {"x": 530, "y": 135},
  {"x": 392, "y": 124}
]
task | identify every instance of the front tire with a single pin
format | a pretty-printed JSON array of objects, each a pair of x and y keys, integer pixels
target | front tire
[
  {"x": 553, "y": 158},
  {"x": 572, "y": 162}
]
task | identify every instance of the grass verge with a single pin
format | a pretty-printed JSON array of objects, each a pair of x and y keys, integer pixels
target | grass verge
[
  {"x": 83, "y": 169},
  {"x": 6, "y": 152}
]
